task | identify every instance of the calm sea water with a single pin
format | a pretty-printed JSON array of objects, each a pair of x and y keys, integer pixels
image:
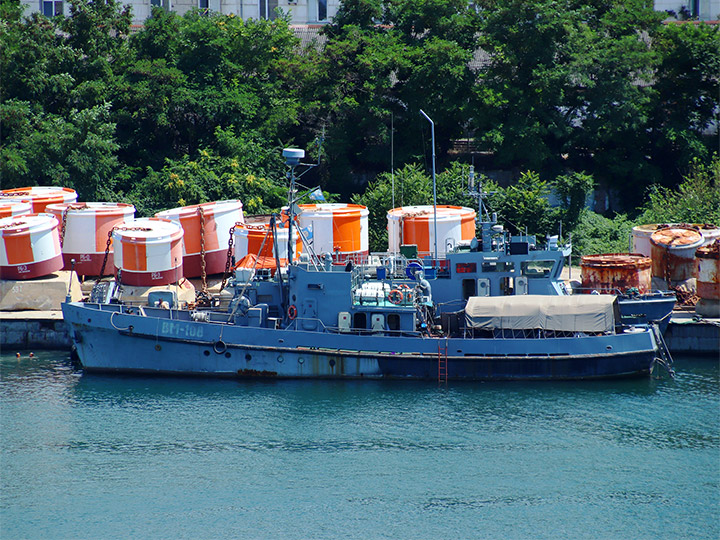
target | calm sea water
[{"x": 99, "y": 457}]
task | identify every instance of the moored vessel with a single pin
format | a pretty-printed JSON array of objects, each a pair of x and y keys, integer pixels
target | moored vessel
[{"x": 315, "y": 319}]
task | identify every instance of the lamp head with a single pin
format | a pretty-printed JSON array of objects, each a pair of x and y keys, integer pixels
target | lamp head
[{"x": 293, "y": 156}]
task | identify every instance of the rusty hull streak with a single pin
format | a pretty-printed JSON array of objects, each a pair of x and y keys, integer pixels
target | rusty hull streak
[{"x": 253, "y": 373}]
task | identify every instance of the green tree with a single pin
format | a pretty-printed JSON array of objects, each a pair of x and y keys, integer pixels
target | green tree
[
  {"x": 696, "y": 200},
  {"x": 568, "y": 84},
  {"x": 236, "y": 167},
  {"x": 47, "y": 149},
  {"x": 687, "y": 97},
  {"x": 596, "y": 234},
  {"x": 411, "y": 187},
  {"x": 524, "y": 206},
  {"x": 572, "y": 190}
]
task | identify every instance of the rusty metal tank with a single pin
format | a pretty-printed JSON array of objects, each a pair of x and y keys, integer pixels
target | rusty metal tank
[
  {"x": 707, "y": 261},
  {"x": 641, "y": 238},
  {"x": 616, "y": 272},
  {"x": 673, "y": 252}
]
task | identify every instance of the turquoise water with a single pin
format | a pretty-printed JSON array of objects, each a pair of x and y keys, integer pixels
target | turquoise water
[{"x": 119, "y": 457}]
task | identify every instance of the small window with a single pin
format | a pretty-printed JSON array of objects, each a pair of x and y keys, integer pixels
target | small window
[
  {"x": 156, "y": 3},
  {"x": 393, "y": 321},
  {"x": 267, "y": 9},
  {"x": 466, "y": 268},
  {"x": 52, "y": 8},
  {"x": 322, "y": 10},
  {"x": 468, "y": 288},
  {"x": 498, "y": 266},
  {"x": 360, "y": 321},
  {"x": 537, "y": 269},
  {"x": 204, "y": 6}
]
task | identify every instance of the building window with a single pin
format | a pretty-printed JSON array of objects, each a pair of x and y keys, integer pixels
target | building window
[
  {"x": 204, "y": 6},
  {"x": 51, "y": 8},
  {"x": 267, "y": 9},
  {"x": 156, "y": 3},
  {"x": 322, "y": 10}
]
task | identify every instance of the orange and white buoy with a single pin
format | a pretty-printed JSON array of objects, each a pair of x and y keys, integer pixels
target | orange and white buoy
[
  {"x": 207, "y": 231},
  {"x": 29, "y": 246},
  {"x": 40, "y": 196},
  {"x": 337, "y": 228},
  {"x": 148, "y": 252},
  {"x": 248, "y": 241},
  {"x": 12, "y": 207},
  {"x": 415, "y": 225},
  {"x": 84, "y": 229}
]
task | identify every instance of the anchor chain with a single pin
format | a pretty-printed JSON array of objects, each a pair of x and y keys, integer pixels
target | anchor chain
[
  {"x": 107, "y": 251},
  {"x": 228, "y": 261},
  {"x": 202, "y": 297},
  {"x": 64, "y": 225}
]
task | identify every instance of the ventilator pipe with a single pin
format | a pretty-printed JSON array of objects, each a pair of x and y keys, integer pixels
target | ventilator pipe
[{"x": 423, "y": 284}]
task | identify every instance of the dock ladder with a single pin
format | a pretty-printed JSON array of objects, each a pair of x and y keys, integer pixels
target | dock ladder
[
  {"x": 442, "y": 363},
  {"x": 664, "y": 358}
]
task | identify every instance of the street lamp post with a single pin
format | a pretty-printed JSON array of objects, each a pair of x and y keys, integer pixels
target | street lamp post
[{"x": 432, "y": 131}]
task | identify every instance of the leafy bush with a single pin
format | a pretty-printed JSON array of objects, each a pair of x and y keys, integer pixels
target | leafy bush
[
  {"x": 696, "y": 200},
  {"x": 596, "y": 234}
]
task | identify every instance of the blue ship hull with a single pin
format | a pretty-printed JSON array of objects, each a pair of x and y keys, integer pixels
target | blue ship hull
[{"x": 108, "y": 339}]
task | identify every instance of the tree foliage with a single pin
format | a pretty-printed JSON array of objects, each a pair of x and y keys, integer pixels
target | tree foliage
[
  {"x": 576, "y": 92},
  {"x": 696, "y": 200}
]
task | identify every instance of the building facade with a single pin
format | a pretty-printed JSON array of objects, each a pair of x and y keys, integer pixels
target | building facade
[
  {"x": 301, "y": 11},
  {"x": 321, "y": 11}
]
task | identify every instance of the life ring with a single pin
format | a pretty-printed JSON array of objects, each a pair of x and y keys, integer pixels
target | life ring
[
  {"x": 403, "y": 286},
  {"x": 219, "y": 346},
  {"x": 411, "y": 268},
  {"x": 292, "y": 312},
  {"x": 395, "y": 296}
]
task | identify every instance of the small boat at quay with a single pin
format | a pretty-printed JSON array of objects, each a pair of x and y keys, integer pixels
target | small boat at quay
[{"x": 381, "y": 317}]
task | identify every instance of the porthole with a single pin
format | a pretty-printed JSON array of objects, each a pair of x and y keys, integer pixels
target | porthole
[
  {"x": 158, "y": 347},
  {"x": 227, "y": 355},
  {"x": 332, "y": 363},
  {"x": 248, "y": 357},
  {"x": 280, "y": 359},
  {"x": 206, "y": 352},
  {"x": 301, "y": 360}
]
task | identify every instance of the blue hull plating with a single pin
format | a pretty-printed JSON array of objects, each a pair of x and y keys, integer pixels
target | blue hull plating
[{"x": 110, "y": 340}]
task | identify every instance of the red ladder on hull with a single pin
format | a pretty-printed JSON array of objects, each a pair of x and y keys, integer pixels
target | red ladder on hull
[{"x": 442, "y": 364}]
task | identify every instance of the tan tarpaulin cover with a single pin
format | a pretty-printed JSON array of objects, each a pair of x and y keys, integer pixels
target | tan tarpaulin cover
[{"x": 576, "y": 313}]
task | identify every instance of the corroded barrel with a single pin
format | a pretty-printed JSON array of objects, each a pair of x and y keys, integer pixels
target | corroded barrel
[
  {"x": 673, "y": 252},
  {"x": 707, "y": 259},
  {"x": 616, "y": 272}
]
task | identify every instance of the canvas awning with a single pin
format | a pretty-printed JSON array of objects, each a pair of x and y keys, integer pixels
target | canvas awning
[{"x": 575, "y": 313}]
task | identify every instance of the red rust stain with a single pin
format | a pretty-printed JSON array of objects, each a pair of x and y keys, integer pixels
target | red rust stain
[
  {"x": 711, "y": 251},
  {"x": 676, "y": 237},
  {"x": 616, "y": 272}
]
